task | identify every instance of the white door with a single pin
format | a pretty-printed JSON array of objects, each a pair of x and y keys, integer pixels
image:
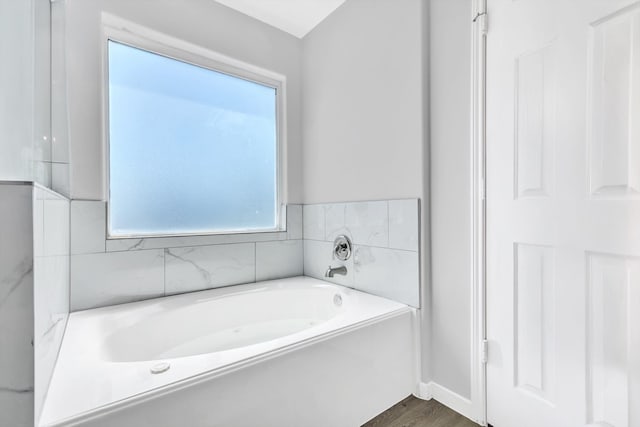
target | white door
[{"x": 563, "y": 213}]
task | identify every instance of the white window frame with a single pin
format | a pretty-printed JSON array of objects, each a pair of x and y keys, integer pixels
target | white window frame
[{"x": 121, "y": 31}]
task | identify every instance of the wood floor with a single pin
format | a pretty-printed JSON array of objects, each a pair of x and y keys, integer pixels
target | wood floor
[{"x": 413, "y": 412}]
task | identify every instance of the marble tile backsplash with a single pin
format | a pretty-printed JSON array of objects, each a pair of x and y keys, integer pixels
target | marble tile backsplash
[
  {"x": 385, "y": 236},
  {"x": 54, "y": 257},
  {"x": 114, "y": 271},
  {"x": 279, "y": 259},
  {"x": 385, "y": 261},
  {"x": 115, "y": 278},
  {"x": 50, "y": 286},
  {"x": 205, "y": 267}
]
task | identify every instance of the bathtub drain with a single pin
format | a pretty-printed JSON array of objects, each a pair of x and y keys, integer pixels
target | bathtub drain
[
  {"x": 337, "y": 300},
  {"x": 160, "y": 368}
]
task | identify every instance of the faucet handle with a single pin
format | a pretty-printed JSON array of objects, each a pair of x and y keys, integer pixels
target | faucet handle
[{"x": 342, "y": 248}]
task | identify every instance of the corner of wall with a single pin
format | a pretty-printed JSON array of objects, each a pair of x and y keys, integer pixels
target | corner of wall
[
  {"x": 431, "y": 390},
  {"x": 425, "y": 211},
  {"x": 450, "y": 189}
]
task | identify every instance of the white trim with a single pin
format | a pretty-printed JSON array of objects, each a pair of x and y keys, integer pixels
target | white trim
[
  {"x": 478, "y": 403},
  {"x": 122, "y": 31},
  {"x": 424, "y": 391},
  {"x": 448, "y": 398},
  {"x": 114, "y": 24},
  {"x": 417, "y": 347}
]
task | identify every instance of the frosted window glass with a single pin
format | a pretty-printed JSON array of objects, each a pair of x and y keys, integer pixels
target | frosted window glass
[{"x": 191, "y": 150}]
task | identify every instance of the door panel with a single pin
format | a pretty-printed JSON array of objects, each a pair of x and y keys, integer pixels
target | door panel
[{"x": 563, "y": 213}]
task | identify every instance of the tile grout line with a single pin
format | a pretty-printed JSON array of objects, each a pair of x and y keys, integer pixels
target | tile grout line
[
  {"x": 370, "y": 246},
  {"x": 302, "y": 235},
  {"x": 69, "y": 269},
  {"x": 388, "y": 226},
  {"x": 303, "y": 256},
  {"x": 358, "y": 201},
  {"x": 324, "y": 219},
  {"x": 164, "y": 271},
  {"x": 187, "y": 246}
]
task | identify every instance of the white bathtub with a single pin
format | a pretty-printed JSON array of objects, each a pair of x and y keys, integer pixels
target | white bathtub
[{"x": 217, "y": 338}]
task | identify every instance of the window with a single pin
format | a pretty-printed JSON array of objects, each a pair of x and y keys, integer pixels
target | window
[{"x": 192, "y": 149}]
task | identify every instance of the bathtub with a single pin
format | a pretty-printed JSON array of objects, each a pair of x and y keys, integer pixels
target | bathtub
[{"x": 282, "y": 352}]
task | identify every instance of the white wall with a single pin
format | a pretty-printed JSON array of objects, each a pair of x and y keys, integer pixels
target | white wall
[
  {"x": 360, "y": 133},
  {"x": 366, "y": 108},
  {"x": 450, "y": 45},
  {"x": 16, "y": 76},
  {"x": 363, "y": 103},
  {"x": 25, "y": 150},
  {"x": 201, "y": 22},
  {"x": 365, "y": 115}
]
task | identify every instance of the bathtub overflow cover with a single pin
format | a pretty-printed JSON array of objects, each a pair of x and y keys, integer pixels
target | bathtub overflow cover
[{"x": 159, "y": 368}]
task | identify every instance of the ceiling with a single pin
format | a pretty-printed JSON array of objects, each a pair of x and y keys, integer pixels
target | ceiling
[{"x": 296, "y": 17}]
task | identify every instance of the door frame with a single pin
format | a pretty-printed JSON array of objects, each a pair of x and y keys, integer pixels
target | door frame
[{"x": 478, "y": 218}]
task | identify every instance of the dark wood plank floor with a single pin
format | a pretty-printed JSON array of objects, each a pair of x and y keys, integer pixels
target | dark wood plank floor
[{"x": 413, "y": 412}]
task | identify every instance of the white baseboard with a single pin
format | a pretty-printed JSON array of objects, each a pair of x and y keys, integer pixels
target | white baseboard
[
  {"x": 461, "y": 405},
  {"x": 424, "y": 391}
]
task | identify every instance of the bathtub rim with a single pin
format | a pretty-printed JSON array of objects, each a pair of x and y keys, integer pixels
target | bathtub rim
[{"x": 205, "y": 376}]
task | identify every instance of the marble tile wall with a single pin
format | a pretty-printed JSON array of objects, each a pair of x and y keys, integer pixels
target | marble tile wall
[
  {"x": 114, "y": 271},
  {"x": 16, "y": 305},
  {"x": 50, "y": 285},
  {"x": 385, "y": 262},
  {"x": 385, "y": 236},
  {"x": 34, "y": 296}
]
